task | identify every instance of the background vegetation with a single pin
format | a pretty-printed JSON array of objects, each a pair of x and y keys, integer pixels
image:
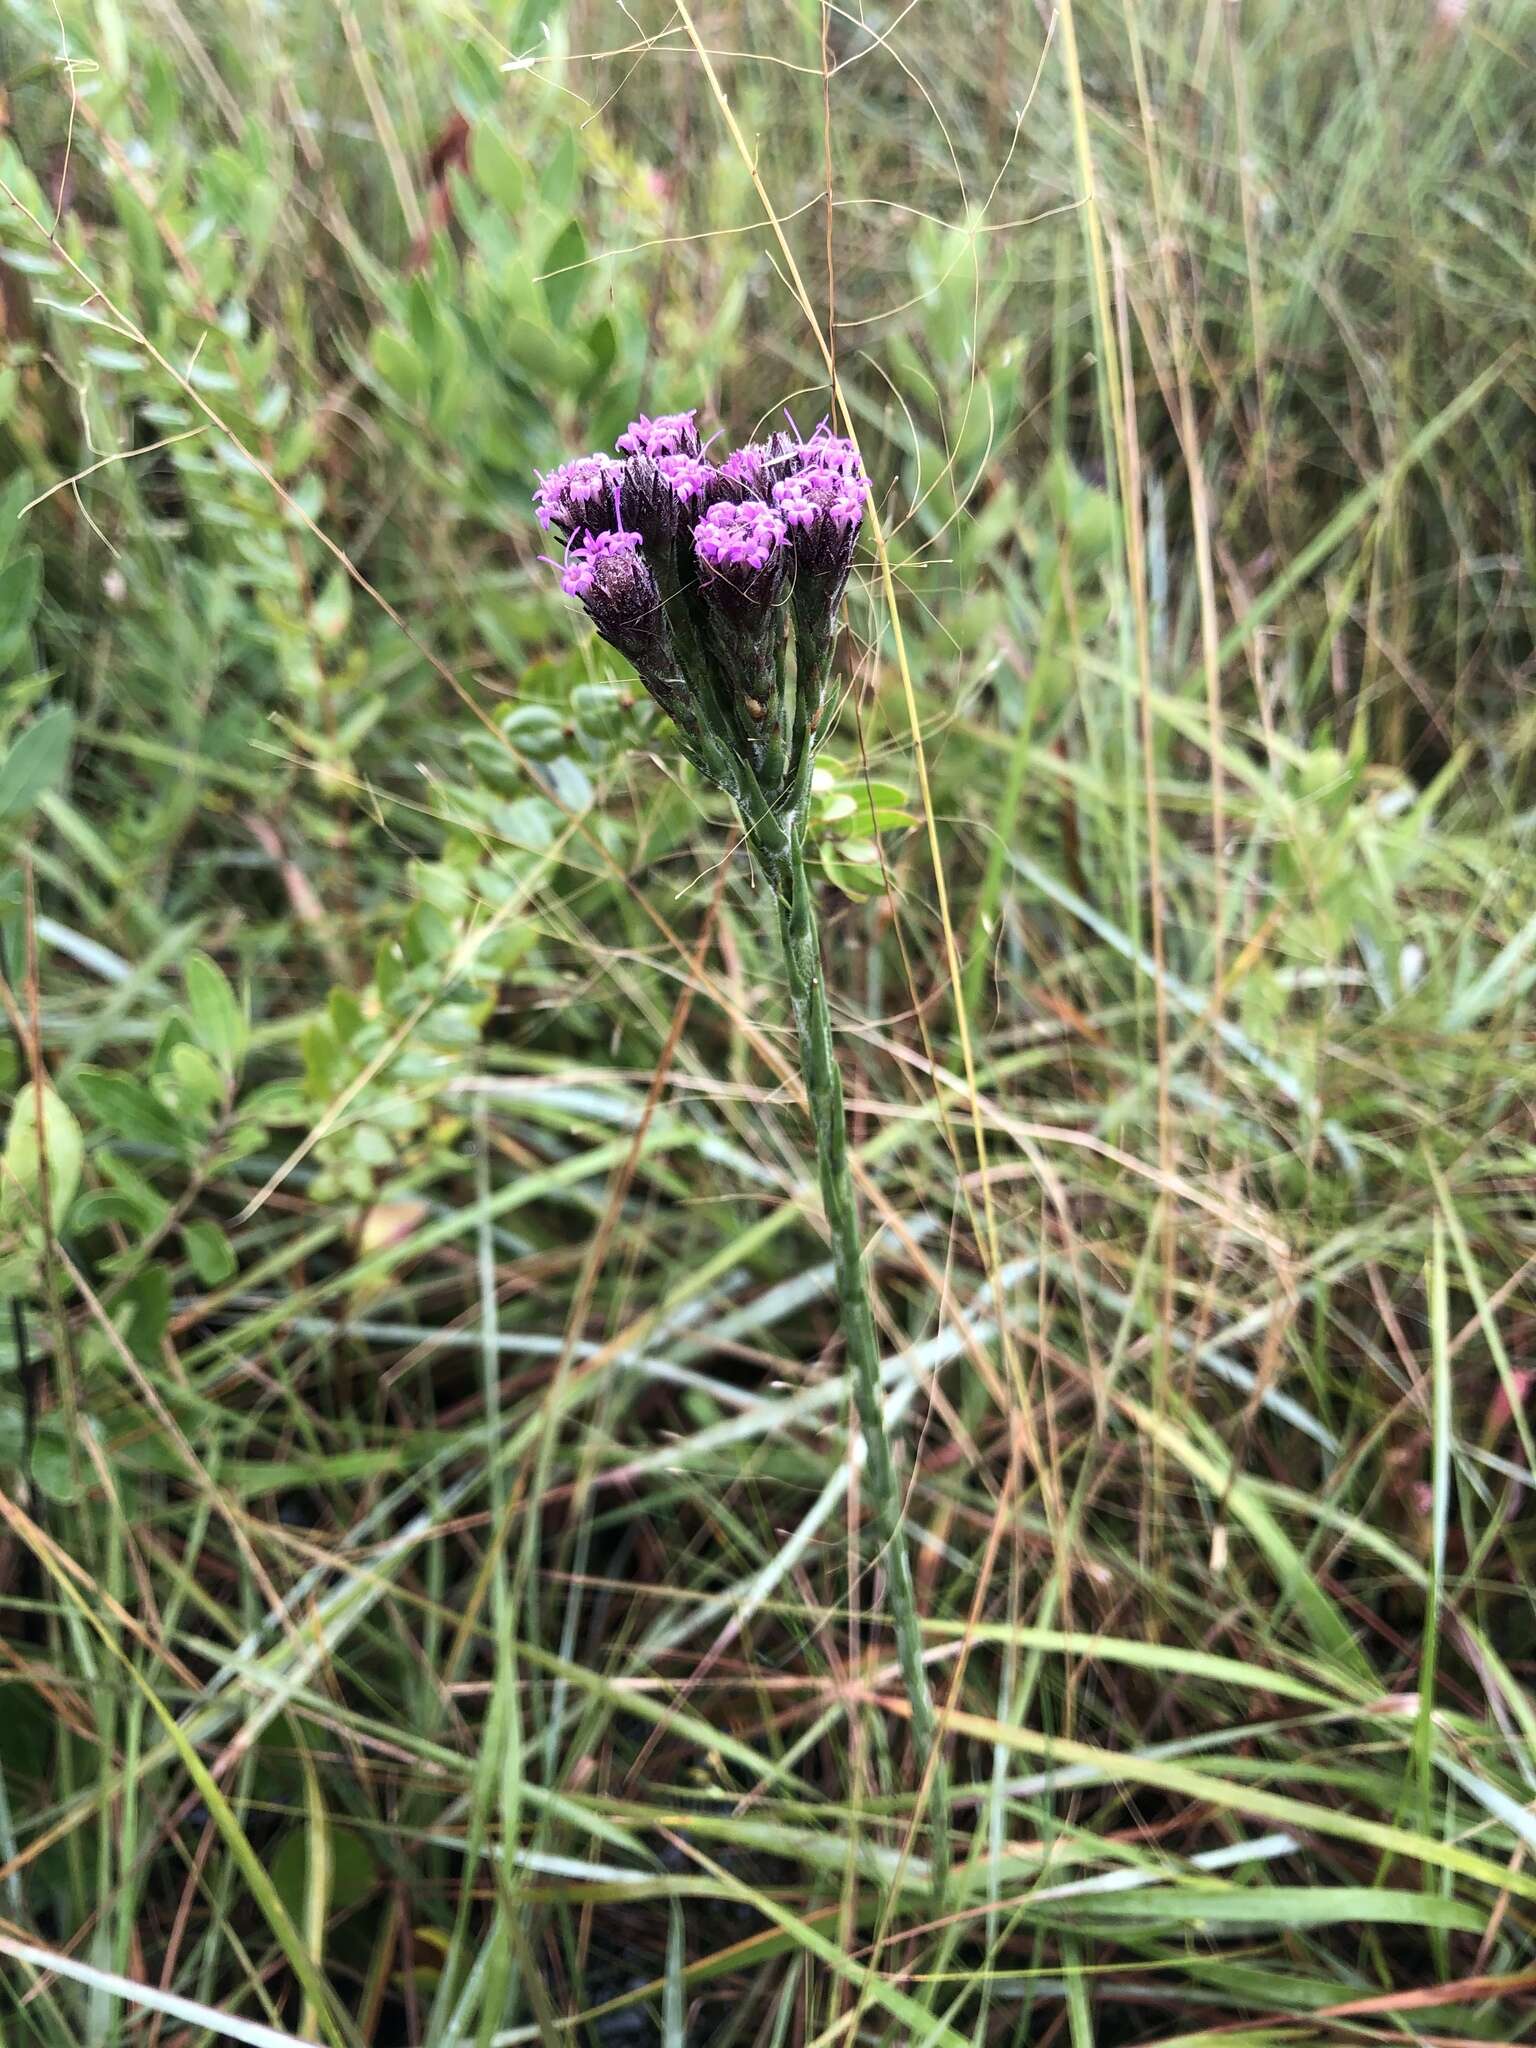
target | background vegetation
[{"x": 436, "y": 1603}]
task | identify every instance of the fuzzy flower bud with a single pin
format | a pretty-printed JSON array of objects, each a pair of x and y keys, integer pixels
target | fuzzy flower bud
[
  {"x": 648, "y": 505},
  {"x": 610, "y": 576},
  {"x": 671, "y": 433},
  {"x": 579, "y": 495}
]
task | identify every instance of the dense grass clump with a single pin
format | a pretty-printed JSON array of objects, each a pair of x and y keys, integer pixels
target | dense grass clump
[{"x": 437, "y": 1602}]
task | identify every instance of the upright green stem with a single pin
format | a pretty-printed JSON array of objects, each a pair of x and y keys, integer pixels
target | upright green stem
[{"x": 824, "y": 1091}]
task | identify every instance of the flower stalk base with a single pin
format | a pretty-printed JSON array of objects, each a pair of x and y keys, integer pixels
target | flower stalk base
[{"x": 824, "y": 1095}]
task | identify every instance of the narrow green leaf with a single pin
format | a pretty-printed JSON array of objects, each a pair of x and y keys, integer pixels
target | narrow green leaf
[
  {"x": 1126, "y": 1767},
  {"x": 496, "y": 169},
  {"x": 36, "y": 762},
  {"x": 36, "y": 1147},
  {"x": 563, "y": 269},
  {"x": 1278, "y": 1906},
  {"x": 210, "y": 1252},
  {"x": 127, "y": 1108},
  {"x": 217, "y": 1016}
]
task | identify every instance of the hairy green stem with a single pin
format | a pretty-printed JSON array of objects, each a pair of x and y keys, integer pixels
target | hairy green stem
[{"x": 824, "y": 1092}]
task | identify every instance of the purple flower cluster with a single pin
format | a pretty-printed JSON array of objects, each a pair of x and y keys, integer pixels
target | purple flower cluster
[
  {"x": 673, "y": 433},
  {"x": 610, "y": 560},
  {"x": 739, "y": 535},
  {"x": 822, "y": 503},
  {"x": 740, "y": 548},
  {"x": 750, "y": 470},
  {"x": 826, "y": 450},
  {"x": 579, "y": 495},
  {"x": 811, "y": 495},
  {"x": 692, "y": 568},
  {"x": 689, "y": 475}
]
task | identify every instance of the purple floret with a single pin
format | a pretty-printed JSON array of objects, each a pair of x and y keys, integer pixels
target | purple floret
[
  {"x": 745, "y": 465},
  {"x": 609, "y": 563},
  {"x": 670, "y": 433},
  {"x": 742, "y": 556},
  {"x": 743, "y": 536},
  {"x": 689, "y": 476},
  {"x": 758, "y": 468},
  {"x": 579, "y": 494},
  {"x": 754, "y": 468},
  {"x": 822, "y": 494},
  {"x": 826, "y": 450}
]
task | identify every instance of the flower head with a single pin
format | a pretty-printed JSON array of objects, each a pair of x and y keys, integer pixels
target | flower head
[
  {"x": 823, "y": 506},
  {"x": 579, "y": 494},
  {"x": 606, "y": 562},
  {"x": 655, "y": 495},
  {"x": 742, "y": 560},
  {"x": 751, "y": 470},
  {"x": 670, "y": 433},
  {"x": 820, "y": 495},
  {"x": 692, "y": 570},
  {"x": 826, "y": 450},
  {"x": 648, "y": 506},
  {"x": 608, "y": 572},
  {"x": 689, "y": 476},
  {"x": 756, "y": 467},
  {"x": 739, "y": 536}
]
